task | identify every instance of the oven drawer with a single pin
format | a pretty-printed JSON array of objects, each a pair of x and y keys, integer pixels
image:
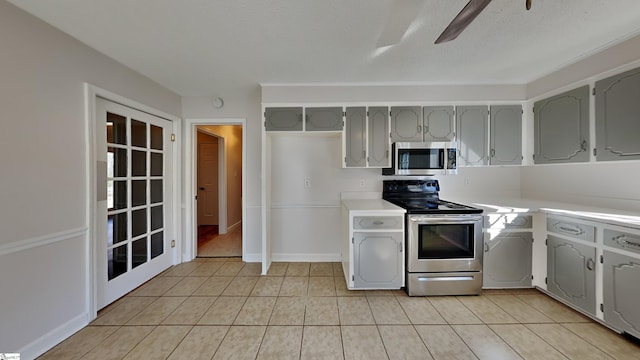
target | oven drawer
[
  {"x": 445, "y": 284},
  {"x": 378, "y": 222}
]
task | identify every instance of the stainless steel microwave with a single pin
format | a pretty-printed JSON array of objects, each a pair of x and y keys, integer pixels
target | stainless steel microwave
[{"x": 422, "y": 158}]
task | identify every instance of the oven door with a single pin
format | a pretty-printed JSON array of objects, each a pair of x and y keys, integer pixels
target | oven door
[{"x": 444, "y": 243}]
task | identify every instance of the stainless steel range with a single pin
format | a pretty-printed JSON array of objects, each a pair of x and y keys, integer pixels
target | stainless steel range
[{"x": 443, "y": 240}]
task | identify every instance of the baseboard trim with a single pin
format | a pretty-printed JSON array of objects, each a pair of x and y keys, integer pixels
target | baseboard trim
[
  {"x": 307, "y": 257},
  {"x": 54, "y": 337},
  {"x": 255, "y": 258},
  {"x": 26, "y": 244}
]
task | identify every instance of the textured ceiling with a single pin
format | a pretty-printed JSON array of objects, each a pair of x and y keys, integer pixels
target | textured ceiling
[{"x": 202, "y": 47}]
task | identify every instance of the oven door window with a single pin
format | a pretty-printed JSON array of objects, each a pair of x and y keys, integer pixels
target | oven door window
[
  {"x": 417, "y": 159},
  {"x": 446, "y": 241}
]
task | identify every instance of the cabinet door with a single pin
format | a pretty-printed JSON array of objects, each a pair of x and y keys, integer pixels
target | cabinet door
[
  {"x": 571, "y": 272},
  {"x": 377, "y": 260},
  {"x": 439, "y": 123},
  {"x": 621, "y": 292},
  {"x": 617, "y": 119},
  {"x": 506, "y": 135},
  {"x": 283, "y": 119},
  {"x": 379, "y": 137},
  {"x": 406, "y": 123},
  {"x": 507, "y": 259},
  {"x": 324, "y": 119},
  {"x": 561, "y": 127},
  {"x": 355, "y": 137},
  {"x": 472, "y": 131}
]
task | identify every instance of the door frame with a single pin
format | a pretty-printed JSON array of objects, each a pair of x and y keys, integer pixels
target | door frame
[
  {"x": 190, "y": 245},
  {"x": 222, "y": 181},
  {"x": 91, "y": 92}
]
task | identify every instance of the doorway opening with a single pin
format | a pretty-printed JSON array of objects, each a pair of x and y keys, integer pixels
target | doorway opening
[{"x": 219, "y": 189}]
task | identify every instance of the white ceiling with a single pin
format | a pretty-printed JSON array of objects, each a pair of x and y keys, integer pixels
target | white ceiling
[{"x": 203, "y": 47}]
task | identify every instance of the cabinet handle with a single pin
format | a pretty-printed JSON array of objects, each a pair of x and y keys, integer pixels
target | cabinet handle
[
  {"x": 590, "y": 264},
  {"x": 571, "y": 230},
  {"x": 486, "y": 247},
  {"x": 400, "y": 244},
  {"x": 493, "y": 152},
  {"x": 419, "y": 129},
  {"x": 622, "y": 241},
  {"x": 426, "y": 129},
  {"x": 378, "y": 222},
  {"x": 583, "y": 146}
]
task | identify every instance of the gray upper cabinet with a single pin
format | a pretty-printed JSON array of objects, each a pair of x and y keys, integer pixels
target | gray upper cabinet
[
  {"x": 356, "y": 137},
  {"x": 406, "y": 123},
  {"x": 621, "y": 292},
  {"x": 283, "y": 119},
  {"x": 378, "y": 125},
  {"x": 472, "y": 132},
  {"x": 324, "y": 119},
  {"x": 561, "y": 128},
  {"x": 618, "y": 116},
  {"x": 438, "y": 123},
  {"x": 506, "y": 135},
  {"x": 571, "y": 272},
  {"x": 507, "y": 260}
]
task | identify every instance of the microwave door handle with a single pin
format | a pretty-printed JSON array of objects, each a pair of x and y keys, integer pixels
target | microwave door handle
[{"x": 444, "y": 166}]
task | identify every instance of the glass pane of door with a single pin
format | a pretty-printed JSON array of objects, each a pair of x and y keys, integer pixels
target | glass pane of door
[{"x": 130, "y": 243}]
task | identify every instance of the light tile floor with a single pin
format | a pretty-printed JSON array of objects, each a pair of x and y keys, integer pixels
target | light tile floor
[{"x": 224, "y": 309}]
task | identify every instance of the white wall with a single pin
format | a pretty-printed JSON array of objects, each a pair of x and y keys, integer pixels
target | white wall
[
  {"x": 238, "y": 104},
  {"x": 43, "y": 157}
]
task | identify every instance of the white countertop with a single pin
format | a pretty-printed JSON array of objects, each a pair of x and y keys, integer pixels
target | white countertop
[
  {"x": 371, "y": 205},
  {"x": 523, "y": 205}
]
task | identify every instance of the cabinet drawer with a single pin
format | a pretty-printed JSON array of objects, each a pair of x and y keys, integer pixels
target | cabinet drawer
[
  {"x": 378, "y": 222},
  {"x": 508, "y": 221},
  {"x": 622, "y": 240},
  {"x": 570, "y": 228}
]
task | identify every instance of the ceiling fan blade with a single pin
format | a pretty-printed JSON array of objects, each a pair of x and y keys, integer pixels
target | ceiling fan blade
[
  {"x": 462, "y": 20},
  {"x": 403, "y": 13}
]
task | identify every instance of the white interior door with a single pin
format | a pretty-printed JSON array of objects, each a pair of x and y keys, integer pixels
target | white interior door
[
  {"x": 133, "y": 220},
  {"x": 208, "y": 180}
]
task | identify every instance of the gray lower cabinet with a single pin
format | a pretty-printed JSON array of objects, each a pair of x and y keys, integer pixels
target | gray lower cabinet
[
  {"x": 378, "y": 137},
  {"x": 355, "y": 132},
  {"x": 561, "y": 127},
  {"x": 617, "y": 119},
  {"x": 472, "y": 132},
  {"x": 377, "y": 259},
  {"x": 506, "y": 135},
  {"x": 621, "y": 292},
  {"x": 438, "y": 123},
  {"x": 324, "y": 119},
  {"x": 507, "y": 260},
  {"x": 406, "y": 123},
  {"x": 283, "y": 119},
  {"x": 571, "y": 272}
]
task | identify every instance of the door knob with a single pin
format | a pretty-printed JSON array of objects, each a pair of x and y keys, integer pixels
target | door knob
[{"x": 201, "y": 188}]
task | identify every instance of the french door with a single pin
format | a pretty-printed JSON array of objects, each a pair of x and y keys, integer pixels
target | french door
[{"x": 134, "y": 219}]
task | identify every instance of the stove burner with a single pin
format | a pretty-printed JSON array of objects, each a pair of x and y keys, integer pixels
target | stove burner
[{"x": 421, "y": 197}]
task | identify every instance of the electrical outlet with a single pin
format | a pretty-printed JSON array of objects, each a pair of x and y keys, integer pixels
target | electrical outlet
[
  {"x": 173, "y": 243},
  {"x": 307, "y": 183}
]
